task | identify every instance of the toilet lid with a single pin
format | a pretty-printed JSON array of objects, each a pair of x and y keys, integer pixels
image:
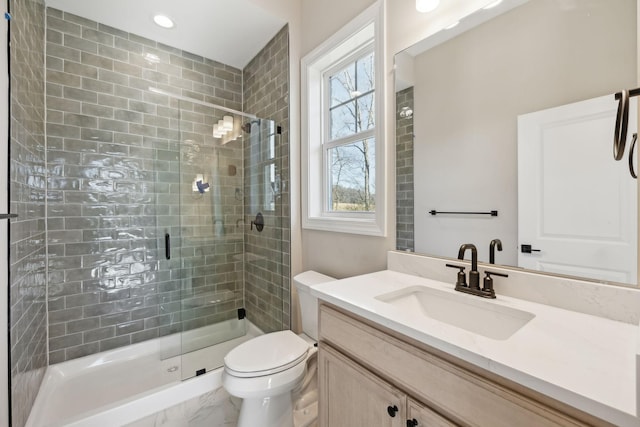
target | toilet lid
[{"x": 266, "y": 354}]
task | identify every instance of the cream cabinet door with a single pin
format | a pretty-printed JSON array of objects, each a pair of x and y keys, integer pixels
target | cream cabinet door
[
  {"x": 351, "y": 396},
  {"x": 420, "y": 416}
]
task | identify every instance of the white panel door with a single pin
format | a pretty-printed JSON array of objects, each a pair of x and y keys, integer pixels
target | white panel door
[{"x": 576, "y": 205}]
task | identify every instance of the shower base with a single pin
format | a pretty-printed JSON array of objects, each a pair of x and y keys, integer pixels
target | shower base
[{"x": 120, "y": 386}]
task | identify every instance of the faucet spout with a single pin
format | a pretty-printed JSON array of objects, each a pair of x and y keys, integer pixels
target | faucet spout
[
  {"x": 474, "y": 276},
  {"x": 495, "y": 243},
  {"x": 474, "y": 254}
]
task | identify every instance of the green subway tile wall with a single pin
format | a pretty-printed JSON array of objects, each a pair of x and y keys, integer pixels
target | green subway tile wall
[
  {"x": 404, "y": 172},
  {"x": 27, "y": 262}
]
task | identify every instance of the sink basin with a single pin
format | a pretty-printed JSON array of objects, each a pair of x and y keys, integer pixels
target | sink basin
[{"x": 463, "y": 311}]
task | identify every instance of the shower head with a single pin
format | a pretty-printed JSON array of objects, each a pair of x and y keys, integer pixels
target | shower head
[{"x": 246, "y": 127}]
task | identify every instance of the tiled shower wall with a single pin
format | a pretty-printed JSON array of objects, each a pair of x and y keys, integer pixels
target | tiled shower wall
[
  {"x": 267, "y": 270},
  {"x": 28, "y": 317},
  {"x": 404, "y": 173},
  {"x": 109, "y": 138}
]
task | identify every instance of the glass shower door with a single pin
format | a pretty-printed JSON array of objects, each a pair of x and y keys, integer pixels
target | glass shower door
[
  {"x": 220, "y": 274},
  {"x": 212, "y": 226},
  {"x": 266, "y": 289},
  {"x": 166, "y": 159}
]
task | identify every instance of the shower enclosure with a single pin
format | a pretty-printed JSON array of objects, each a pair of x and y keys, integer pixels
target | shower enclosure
[
  {"x": 208, "y": 191},
  {"x": 186, "y": 262},
  {"x": 137, "y": 226}
]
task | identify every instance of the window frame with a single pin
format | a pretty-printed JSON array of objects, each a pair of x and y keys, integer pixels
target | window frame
[{"x": 359, "y": 37}]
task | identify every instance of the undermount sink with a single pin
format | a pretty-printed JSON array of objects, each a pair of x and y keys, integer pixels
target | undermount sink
[{"x": 463, "y": 311}]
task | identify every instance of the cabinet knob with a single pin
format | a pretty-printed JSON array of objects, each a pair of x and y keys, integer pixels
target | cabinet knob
[
  {"x": 391, "y": 410},
  {"x": 412, "y": 423}
]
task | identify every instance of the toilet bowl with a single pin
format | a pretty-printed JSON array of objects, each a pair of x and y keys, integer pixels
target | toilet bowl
[{"x": 265, "y": 370}]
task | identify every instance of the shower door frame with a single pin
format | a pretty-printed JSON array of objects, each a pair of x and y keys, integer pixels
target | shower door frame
[{"x": 4, "y": 230}]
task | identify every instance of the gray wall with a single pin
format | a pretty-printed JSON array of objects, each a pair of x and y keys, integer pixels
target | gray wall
[
  {"x": 404, "y": 172},
  {"x": 109, "y": 140},
  {"x": 27, "y": 293},
  {"x": 267, "y": 269}
]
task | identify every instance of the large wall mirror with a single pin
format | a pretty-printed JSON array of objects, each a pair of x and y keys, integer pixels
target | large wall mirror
[{"x": 505, "y": 127}]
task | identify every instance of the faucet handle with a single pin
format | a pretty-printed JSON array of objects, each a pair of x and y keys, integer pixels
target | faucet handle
[
  {"x": 462, "y": 278},
  {"x": 488, "y": 281},
  {"x": 494, "y": 273}
]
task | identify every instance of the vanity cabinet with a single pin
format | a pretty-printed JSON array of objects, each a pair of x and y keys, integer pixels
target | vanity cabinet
[
  {"x": 353, "y": 396},
  {"x": 420, "y": 415},
  {"x": 364, "y": 368}
]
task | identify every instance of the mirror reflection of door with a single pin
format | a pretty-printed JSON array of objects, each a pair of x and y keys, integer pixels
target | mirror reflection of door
[
  {"x": 471, "y": 83},
  {"x": 578, "y": 222}
]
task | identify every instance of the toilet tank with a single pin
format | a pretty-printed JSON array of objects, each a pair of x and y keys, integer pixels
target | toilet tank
[{"x": 309, "y": 303}]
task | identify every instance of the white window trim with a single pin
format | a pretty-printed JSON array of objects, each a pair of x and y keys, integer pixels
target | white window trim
[{"x": 350, "y": 38}]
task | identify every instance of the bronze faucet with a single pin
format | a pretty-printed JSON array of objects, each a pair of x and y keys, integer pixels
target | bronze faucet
[
  {"x": 474, "y": 276},
  {"x": 473, "y": 287}
]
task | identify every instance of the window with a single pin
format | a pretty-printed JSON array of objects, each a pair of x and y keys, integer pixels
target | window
[
  {"x": 349, "y": 145},
  {"x": 342, "y": 144}
]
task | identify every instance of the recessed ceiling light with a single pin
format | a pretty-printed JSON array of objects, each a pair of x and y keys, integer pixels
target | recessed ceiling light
[
  {"x": 425, "y": 6},
  {"x": 163, "y": 21},
  {"x": 492, "y": 4}
]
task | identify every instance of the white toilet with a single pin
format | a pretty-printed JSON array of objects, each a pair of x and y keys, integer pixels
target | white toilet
[{"x": 265, "y": 370}]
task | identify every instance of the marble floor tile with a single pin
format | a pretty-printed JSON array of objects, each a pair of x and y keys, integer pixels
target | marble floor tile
[{"x": 213, "y": 409}]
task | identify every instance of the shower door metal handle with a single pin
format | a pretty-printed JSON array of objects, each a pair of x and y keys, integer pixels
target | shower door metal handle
[{"x": 167, "y": 245}]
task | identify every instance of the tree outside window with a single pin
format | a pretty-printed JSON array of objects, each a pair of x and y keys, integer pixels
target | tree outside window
[{"x": 350, "y": 146}]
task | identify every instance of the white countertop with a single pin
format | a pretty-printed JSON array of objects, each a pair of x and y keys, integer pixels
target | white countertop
[{"x": 586, "y": 361}]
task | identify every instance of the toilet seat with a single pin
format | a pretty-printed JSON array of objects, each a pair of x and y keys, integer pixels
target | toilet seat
[{"x": 266, "y": 355}]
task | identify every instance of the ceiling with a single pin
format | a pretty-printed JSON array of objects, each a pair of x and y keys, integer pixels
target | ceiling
[{"x": 228, "y": 31}]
